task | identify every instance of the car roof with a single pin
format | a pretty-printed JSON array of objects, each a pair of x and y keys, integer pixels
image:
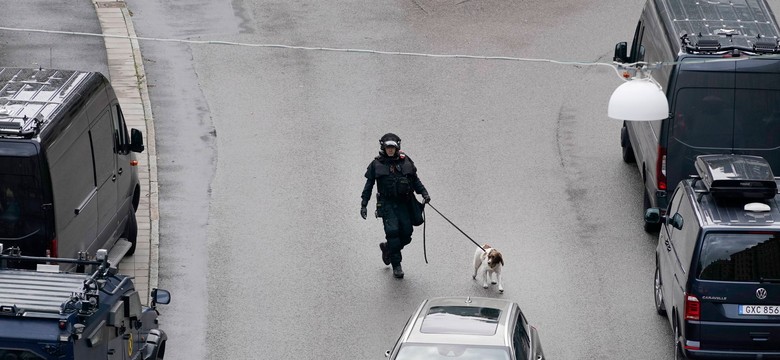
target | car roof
[
  {"x": 447, "y": 325},
  {"x": 730, "y": 215},
  {"x": 710, "y": 17},
  {"x": 44, "y": 94}
]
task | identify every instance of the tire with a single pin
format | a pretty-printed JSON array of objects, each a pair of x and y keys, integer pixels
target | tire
[
  {"x": 136, "y": 198},
  {"x": 649, "y": 228},
  {"x": 131, "y": 233},
  {"x": 625, "y": 144},
  {"x": 161, "y": 351},
  {"x": 660, "y": 307}
]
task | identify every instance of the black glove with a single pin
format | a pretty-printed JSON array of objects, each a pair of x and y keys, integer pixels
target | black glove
[
  {"x": 427, "y": 198},
  {"x": 363, "y": 212}
]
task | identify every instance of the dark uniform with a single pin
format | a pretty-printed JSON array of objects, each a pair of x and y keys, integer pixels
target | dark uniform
[{"x": 396, "y": 179}]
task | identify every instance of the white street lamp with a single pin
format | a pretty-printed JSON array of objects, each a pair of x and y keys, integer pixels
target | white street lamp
[{"x": 639, "y": 99}]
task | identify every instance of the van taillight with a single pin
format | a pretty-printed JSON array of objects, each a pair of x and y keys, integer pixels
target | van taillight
[
  {"x": 660, "y": 168},
  {"x": 52, "y": 251},
  {"x": 692, "y": 307}
]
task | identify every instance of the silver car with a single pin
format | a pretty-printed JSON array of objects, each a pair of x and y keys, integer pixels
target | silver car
[{"x": 467, "y": 328}]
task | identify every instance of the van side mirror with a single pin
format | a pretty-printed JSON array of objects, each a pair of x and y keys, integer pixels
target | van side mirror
[
  {"x": 136, "y": 141},
  {"x": 160, "y": 296},
  {"x": 621, "y": 52},
  {"x": 640, "y": 56},
  {"x": 653, "y": 216},
  {"x": 677, "y": 221}
]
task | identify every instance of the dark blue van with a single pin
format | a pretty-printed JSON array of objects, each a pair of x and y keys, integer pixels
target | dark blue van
[{"x": 717, "y": 276}]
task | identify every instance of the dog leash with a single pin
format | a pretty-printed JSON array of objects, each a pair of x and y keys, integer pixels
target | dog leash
[{"x": 451, "y": 223}]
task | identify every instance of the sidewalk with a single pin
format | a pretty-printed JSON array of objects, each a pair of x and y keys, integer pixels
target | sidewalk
[{"x": 126, "y": 72}]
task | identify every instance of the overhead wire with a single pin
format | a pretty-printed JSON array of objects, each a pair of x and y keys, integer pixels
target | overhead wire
[
  {"x": 620, "y": 69},
  {"x": 318, "y": 48}
]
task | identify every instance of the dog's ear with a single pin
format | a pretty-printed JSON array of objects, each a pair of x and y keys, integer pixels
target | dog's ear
[{"x": 500, "y": 259}]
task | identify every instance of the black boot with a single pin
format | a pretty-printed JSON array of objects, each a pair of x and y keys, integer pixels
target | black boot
[
  {"x": 385, "y": 253},
  {"x": 398, "y": 273}
]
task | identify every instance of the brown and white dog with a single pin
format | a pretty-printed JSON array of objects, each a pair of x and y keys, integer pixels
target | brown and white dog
[{"x": 487, "y": 263}]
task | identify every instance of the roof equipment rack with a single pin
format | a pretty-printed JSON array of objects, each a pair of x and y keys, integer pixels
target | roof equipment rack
[{"x": 736, "y": 177}]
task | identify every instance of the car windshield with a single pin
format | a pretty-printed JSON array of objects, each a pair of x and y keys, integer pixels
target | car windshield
[
  {"x": 413, "y": 351},
  {"x": 747, "y": 257}
]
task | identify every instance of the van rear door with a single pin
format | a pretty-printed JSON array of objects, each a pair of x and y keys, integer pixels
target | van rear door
[
  {"x": 22, "y": 218},
  {"x": 738, "y": 287},
  {"x": 757, "y": 110},
  {"x": 702, "y": 115}
]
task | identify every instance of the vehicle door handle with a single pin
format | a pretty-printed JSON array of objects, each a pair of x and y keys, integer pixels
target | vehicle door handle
[
  {"x": 84, "y": 202},
  {"x": 120, "y": 171}
]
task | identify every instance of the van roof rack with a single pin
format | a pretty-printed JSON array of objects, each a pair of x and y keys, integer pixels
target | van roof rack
[
  {"x": 21, "y": 126},
  {"x": 712, "y": 44},
  {"x": 736, "y": 177}
]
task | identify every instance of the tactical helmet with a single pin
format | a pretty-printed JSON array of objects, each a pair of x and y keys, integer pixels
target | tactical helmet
[{"x": 389, "y": 139}]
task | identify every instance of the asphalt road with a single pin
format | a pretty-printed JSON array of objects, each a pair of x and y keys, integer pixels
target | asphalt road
[
  {"x": 22, "y": 49},
  {"x": 262, "y": 154}
]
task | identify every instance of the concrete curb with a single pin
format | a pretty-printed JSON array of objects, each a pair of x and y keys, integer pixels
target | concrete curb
[{"x": 126, "y": 72}]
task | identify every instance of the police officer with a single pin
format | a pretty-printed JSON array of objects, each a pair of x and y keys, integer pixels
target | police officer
[{"x": 396, "y": 179}]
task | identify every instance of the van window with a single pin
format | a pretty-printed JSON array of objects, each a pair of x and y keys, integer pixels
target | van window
[
  {"x": 757, "y": 119},
  {"x": 704, "y": 117},
  {"x": 102, "y": 148},
  {"x": 121, "y": 137},
  {"x": 637, "y": 50},
  {"x": 685, "y": 240},
  {"x": 674, "y": 204},
  {"x": 746, "y": 257},
  {"x": 21, "y": 212}
]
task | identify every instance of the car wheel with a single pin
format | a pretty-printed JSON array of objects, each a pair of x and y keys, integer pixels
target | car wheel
[
  {"x": 131, "y": 233},
  {"x": 161, "y": 351},
  {"x": 650, "y": 228},
  {"x": 660, "y": 308},
  {"x": 625, "y": 144}
]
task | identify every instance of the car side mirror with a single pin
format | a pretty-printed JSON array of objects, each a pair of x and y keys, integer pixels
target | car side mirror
[
  {"x": 387, "y": 353},
  {"x": 653, "y": 216},
  {"x": 621, "y": 52},
  {"x": 136, "y": 141},
  {"x": 677, "y": 221},
  {"x": 160, "y": 296}
]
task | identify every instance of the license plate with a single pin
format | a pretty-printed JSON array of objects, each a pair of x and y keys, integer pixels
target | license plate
[{"x": 759, "y": 309}]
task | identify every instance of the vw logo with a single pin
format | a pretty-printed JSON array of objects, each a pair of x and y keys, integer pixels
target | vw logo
[{"x": 761, "y": 293}]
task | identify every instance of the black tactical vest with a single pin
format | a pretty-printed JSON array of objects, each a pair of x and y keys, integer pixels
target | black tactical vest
[{"x": 393, "y": 178}]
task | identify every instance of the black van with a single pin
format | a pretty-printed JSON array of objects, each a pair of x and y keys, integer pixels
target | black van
[
  {"x": 717, "y": 274},
  {"x": 723, "y": 88},
  {"x": 68, "y": 177}
]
